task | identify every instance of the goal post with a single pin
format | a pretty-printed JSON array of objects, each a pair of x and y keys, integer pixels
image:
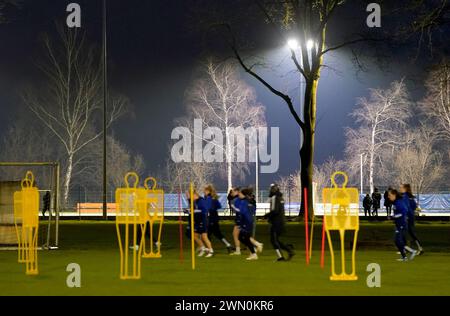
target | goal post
[{"x": 52, "y": 242}]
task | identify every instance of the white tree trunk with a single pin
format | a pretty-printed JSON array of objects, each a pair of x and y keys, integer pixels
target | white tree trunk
[
  {"x": 371, "y": 159},
  {"x": 68, "y": 178},
  {"x": 229, "y": 162}
]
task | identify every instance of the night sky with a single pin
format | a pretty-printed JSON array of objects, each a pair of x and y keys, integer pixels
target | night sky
[{"x": 153, "y": 53}]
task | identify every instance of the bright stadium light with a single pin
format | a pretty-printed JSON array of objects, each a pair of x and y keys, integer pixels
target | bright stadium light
[{"x": 293, "y": 44}]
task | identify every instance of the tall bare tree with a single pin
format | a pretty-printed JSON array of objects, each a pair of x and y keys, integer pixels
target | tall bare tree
[
  {"x": 25, "y": 141},
  {"x": 418, "y": 162},
  {"x": 121, "y": 160},
  {"x": 382, "y": 118},
  {"x": 178, "y": 176},
  {"x": 309, "y": 21},
  {"x": 68, "y": 103},
  {"x": 221, "y": 99},
  {"x": 436, "y": 104},
  {"x": 324, "y": 171}
]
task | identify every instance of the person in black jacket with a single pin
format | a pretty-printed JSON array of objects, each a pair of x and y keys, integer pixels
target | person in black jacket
[
  {"x": 367, "y": 204},
  {"x": 46, "y": 203},
  {"x": 277, "y": 220},
  {"x": 388, "y": 203},
  {"x": 376, "y": 201}
]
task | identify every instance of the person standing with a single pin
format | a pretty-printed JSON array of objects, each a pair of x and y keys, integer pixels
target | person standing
[
  {"x": 376, "y": 201},
  {"x": 46, "y": 203},
  {"x": 367, "y": 205},
  {"x": 400, "y": 210},
  {"x": 387, "y": 203},
  {"x": 410, "y": 201},
  {"x": 277, "y": 221}
]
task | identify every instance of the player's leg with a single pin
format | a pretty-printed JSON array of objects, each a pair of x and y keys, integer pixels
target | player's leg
[
  {"x": 200, "y": 246},
  {"x": 237, "y": 242},
  {"x": 276, "y": 244},
  {"x": 400, "y": 242},
  {"x": 259, "y": 246},
  {"x": 244, "y": 237},
  {"x": 208, "y": 244},
  {"x": 217, "y": 232},
  {"x": 412, "y": 233}
]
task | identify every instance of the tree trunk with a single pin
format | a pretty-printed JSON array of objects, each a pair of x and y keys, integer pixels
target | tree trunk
[
  {"x": 307, "y": 150},
  {"x": 229, "y": 176},
  {"x": 371, "y": 161},
  {"x": 68, "y": 178}
]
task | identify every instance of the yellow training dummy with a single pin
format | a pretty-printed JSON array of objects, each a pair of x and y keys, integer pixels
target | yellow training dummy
[
  {"x": 131, "y": 216},
  {"x": 26, "y": 218},
  {"x": 341, "y": 213},
  {"x": 155, "y": 214}
]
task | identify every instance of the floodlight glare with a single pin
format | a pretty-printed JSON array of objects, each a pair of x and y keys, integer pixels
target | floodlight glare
[{"x": 293, "y": 44}]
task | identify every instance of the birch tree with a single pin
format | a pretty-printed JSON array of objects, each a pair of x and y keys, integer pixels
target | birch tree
[
  {"x": 222, "y": 100},
  {"x": 382, "y": 117},
  {"x": 68, "y": 103},
  {"x": 436, "y": 104},
  {"x": 180, "y": 175},
  {"x": 120, "y": 161},
  {"x": 418, "y": 162},
  {"x": 324, "y": 171}
]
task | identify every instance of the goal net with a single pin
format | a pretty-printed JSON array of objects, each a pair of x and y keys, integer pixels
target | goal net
[{"x": 47, "y": 181}]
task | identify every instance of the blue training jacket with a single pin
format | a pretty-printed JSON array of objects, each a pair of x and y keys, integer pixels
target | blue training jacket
[
  {"x": 411, "y": 204},
  {"x": 245, "y": 214},
  {"x": 213, "y": 206},
  {"x": 400, "y": 209}
]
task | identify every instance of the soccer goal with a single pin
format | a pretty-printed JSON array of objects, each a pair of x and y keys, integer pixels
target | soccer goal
[{"x": 47, "y": 180}]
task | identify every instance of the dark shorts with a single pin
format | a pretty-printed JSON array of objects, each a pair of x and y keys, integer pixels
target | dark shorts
[
  {"x": 237, "y": 220},
  {"x": 201, "y": 225}
]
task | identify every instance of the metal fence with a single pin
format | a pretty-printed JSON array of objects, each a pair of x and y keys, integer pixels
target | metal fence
[{"x": 85, "y": 202}]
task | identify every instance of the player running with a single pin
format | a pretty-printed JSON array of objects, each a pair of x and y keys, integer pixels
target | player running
[
  {"x": 252, "y": 207},
  {"x": 410, "y": 201},
  {"x": 400, "y": 210},
  {"x": 233, "y": 201},
  {"x": 278, "y": 222},
  {"x": 241, "y": 207},
  {"x": 213, "y": 205},
  {"x": 201, "y": 226}
]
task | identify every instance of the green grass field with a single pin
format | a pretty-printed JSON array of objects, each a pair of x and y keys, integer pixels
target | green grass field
[{"x": 93, "y": 245}]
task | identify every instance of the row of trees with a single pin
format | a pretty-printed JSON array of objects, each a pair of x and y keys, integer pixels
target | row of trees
[
  {"x": 224, "y": 101},
  {"x": 66, "y": 112},
  {"x": 399, "y": 140}
]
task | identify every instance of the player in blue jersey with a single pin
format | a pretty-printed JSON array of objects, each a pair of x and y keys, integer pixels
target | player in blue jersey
[
  {"x": 400, "y": 212},
  {"x": 252, "y": 208},
  {"x": 233, "y": 202},
  {"x": 213, "y": 205},
  {"x": 246, "y": 222},
  {"x": 201, "y": 226},
  {"x": 410, "y": 201}
]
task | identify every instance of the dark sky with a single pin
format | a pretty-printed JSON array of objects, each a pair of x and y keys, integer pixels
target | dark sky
[{"x": 152, "y": 57}]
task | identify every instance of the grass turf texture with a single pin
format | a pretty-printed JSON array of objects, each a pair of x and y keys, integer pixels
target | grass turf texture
[{"x": 93, "y": 245}]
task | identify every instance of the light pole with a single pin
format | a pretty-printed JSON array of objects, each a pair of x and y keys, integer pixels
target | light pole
[{"x": 105, "y": 107}]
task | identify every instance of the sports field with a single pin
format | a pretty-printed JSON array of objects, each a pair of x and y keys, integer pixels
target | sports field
[{"x": 93, "y": 246}]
